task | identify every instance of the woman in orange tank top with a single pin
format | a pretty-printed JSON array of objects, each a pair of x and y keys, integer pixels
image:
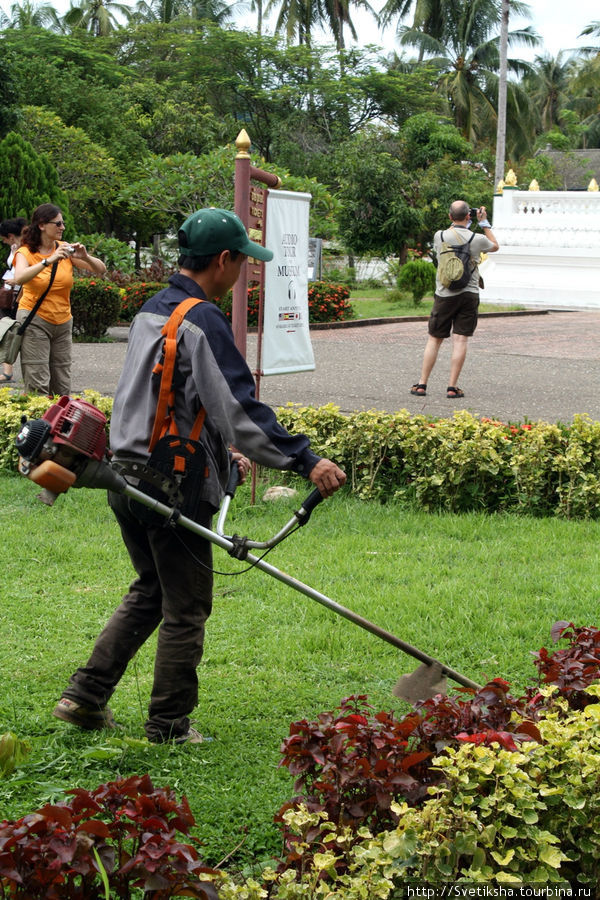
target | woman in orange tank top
[{"x": 47, "y": 341}]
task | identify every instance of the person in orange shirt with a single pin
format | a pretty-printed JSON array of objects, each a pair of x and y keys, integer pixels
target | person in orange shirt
[{"x": 47, "y": 341}]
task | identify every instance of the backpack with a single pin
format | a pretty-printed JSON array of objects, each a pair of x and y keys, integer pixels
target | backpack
[{"x": 455, "y": 266}]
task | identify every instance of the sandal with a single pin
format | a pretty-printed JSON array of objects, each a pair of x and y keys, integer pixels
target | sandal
[
  {"x": 453, "y": 393},
  {"x": 419, "y": 390},
  {"x": 4, "y": 378}
]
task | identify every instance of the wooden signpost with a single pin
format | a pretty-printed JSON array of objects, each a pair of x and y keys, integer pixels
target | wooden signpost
[{"x": 250, "y": 204}]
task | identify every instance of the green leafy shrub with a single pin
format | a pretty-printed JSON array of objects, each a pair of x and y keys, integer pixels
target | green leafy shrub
[
  {"x": 418, "y": 278},
  {"x": 456, "y": 465},
  {"x": 497, "y": 817},
  {"x": 134, "y": 295},
  {"x": 350, "y": 764},
  {"x": 462, "y": 463},
  {"x": 511, "y": 818},
  {"x": 12, "y": 752},
  {"x": 96, "y": 305},
  {"x": 115, "y": 254},
  {"x": 225, "y": 304}
]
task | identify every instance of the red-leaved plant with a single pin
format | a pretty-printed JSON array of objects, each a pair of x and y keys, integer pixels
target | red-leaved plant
[
  {"x": 573, "y": 668},
  {"x": 118, "y": 837},
  {"x": 351, "y": 764}
]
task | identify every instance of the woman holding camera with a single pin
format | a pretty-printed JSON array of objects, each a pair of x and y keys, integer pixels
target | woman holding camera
[{"x": 47, "y": 340}]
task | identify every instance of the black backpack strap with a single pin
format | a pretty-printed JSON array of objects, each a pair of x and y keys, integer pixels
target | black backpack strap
[{"x": 39, "y": 300}]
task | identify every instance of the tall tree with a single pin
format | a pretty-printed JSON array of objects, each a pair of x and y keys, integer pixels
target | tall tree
[
  {"x": 549, "y": 85},
  {"x": 27, "y": 179},
  {"x": 96, "y": 16},
  {"x": 467, "y": 56},
  {"x": 31, "y": 15},
  {"x": 8, "y": 97},
  {"x": 218, "y": 11},
  {"x": 502, "y": 85},
  {"x": 299, "y": 18},
  {"x": 429, "y": 16},
  {"x": 86, "y": 173}
]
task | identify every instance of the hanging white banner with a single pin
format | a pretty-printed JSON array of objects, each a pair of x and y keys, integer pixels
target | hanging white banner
[{"x": 286, "y": 345}]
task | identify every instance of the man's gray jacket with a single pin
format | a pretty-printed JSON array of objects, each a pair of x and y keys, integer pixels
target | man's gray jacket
[{"x": 210, "y": 372}]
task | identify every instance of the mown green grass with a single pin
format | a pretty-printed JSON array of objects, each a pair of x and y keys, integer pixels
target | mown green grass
[
  {"x": 372, "y": 303},
  {"x": 478, "y": 592}
]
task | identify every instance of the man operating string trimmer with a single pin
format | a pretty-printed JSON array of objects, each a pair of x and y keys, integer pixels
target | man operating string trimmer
[{"x": 191, "y": 382}]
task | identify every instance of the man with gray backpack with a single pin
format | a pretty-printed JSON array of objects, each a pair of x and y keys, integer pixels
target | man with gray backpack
[{"x": 456, "y": 298}]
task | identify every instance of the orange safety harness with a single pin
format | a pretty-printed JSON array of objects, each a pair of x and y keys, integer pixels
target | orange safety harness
[
  {"x": 181, "y": 459},
  {"x": 164, "y": 421}
]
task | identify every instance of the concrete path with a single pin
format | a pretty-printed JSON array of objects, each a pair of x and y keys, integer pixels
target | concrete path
[{"x": 534, "y": 366}]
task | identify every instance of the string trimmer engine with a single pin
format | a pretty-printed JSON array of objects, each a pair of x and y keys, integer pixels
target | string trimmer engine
[{"x": 65, "y": 448}]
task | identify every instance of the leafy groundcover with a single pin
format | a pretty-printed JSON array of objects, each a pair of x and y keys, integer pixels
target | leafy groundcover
[{"x": 475, "y": 788}]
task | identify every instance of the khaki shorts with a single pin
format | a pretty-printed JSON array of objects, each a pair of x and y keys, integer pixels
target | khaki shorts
[{"x": 457, "y": 314}]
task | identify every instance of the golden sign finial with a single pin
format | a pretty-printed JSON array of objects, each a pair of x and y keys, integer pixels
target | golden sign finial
[
  {"x": 243, "y": 142},
  {"x": 534, "y": 186},
  {"x": 510, "y": 179},
  {"x": 593, "y": 185},
  {"x": 500, "y": 186}
]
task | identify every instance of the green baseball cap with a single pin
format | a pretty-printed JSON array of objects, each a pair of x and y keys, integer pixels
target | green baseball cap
[{"x": 210, "y": 231}]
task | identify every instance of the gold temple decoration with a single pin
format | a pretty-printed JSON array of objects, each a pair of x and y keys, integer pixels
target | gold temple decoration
[
  {"x": 593, "y": 185},
  {"x": 510, "y": 179},
  {"x": 243, "y": 142},
  {"x": 534, "y": 186}
]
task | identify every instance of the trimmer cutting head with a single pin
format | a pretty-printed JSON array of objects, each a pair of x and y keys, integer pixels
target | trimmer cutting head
[{"x": 425, "y": 682}]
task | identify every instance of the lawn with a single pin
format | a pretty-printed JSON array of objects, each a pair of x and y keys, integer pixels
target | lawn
[
  {"x": 476, "y": 591},
  {"x": 372, "y": 303}
]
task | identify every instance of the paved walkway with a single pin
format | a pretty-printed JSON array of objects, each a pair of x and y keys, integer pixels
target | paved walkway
[{"x": 542, "y": 366}]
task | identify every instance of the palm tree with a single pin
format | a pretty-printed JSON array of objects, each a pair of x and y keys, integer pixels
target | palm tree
[
  {"x": 296, "y": 17},
  {"x": 549, "y": 86},
  {"x": 583, "y": 88},
  {"x": 465, "y": 50},
  {"x": 28, "y": 14},
  {"x": 217, "y": 11},
  {"x": 300, "y": 17},
  {"x": 337, "y": 15},
  {"x": 429, "y": 16},
  {"x": 502, "y": 85},
  {"x": 97, "y": 16}
]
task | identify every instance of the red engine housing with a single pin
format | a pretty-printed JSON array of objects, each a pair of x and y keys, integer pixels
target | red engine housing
[{"x": 78, "y": 424}]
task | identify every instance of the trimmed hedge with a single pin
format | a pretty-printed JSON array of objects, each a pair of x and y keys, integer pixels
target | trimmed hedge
[
  {"x": 134, "y": 295},
  {"x": 96, "y": 305},
  {"x": 460, "y": 464},
  {"x": 326, "y": 302}
]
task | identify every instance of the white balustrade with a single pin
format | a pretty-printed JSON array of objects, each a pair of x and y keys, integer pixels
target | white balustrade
[{"x": 549, "y": 250}]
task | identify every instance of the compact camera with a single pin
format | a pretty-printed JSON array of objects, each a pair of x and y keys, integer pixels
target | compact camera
[
  {"x": 473, "y": 210},
  {"x": 70, "y": 250}
]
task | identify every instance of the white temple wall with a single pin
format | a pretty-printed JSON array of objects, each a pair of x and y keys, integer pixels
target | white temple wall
[{"x": 549, "y": 250}]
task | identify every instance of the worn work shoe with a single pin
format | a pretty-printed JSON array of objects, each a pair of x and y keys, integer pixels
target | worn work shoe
[
  {"x": 88, "y": 717},
  {"x": 192, "y": 737}
]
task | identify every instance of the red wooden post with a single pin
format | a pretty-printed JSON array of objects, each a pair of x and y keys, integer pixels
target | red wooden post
[
  {"x": 239, "y": 315},
  {"x": 250, "y": 205}
]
